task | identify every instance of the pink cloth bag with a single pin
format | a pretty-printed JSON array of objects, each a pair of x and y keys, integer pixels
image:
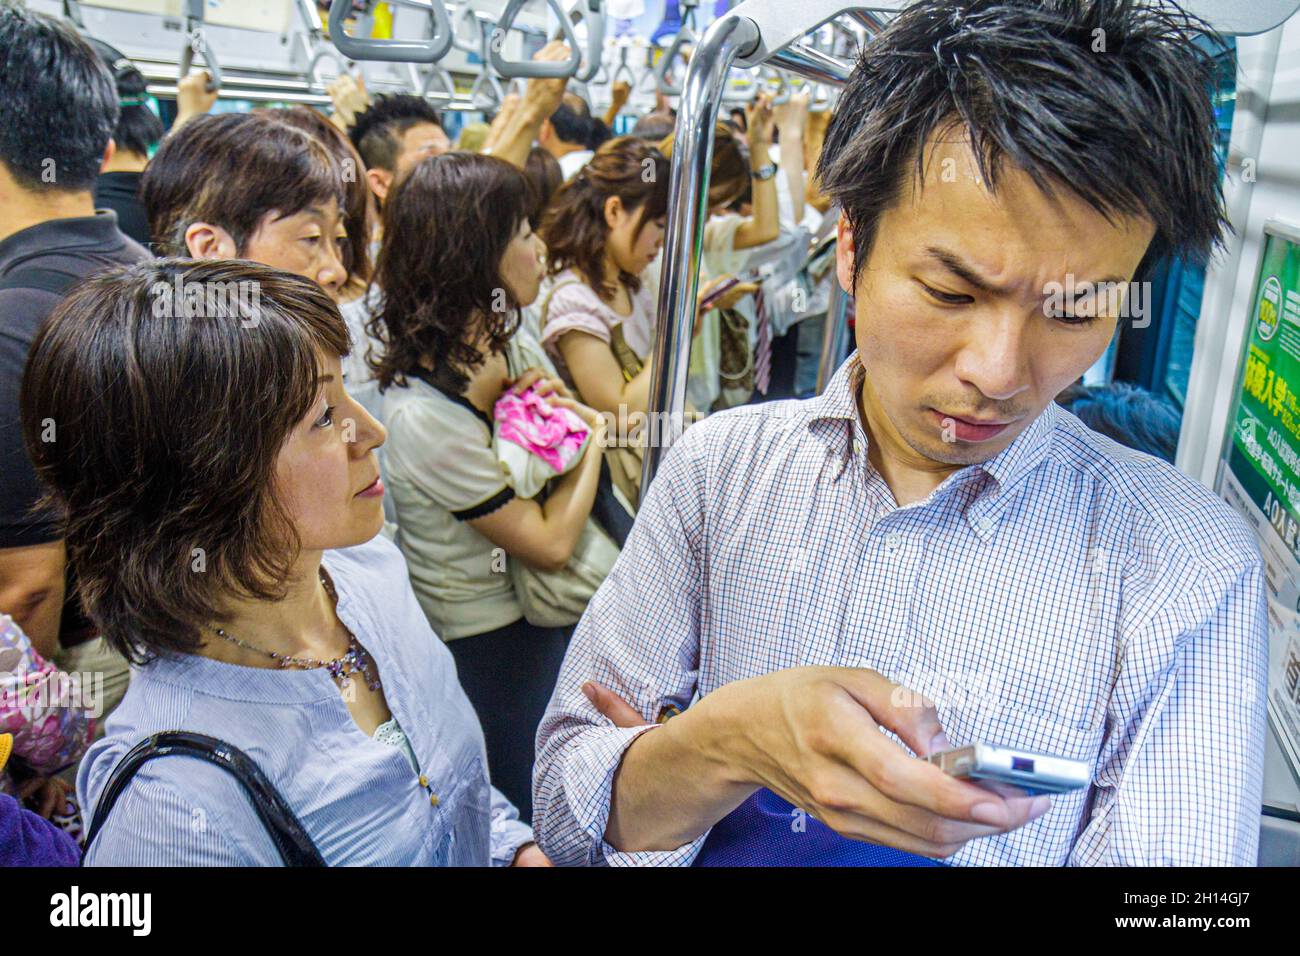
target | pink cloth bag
[{"x": 553, "y": 434}]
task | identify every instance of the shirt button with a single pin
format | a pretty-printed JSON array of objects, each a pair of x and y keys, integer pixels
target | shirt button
[
  {"x": 894, "y": 541},
  {"x": 433, "y": 799},
  {"x": 424, "y": 781},
  {"x": 857, "y": 447}
]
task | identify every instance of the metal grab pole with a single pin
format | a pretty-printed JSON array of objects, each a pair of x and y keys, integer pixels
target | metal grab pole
[
  {"x": 812, "y": 64},
  {"x": 688, "y": 208}
]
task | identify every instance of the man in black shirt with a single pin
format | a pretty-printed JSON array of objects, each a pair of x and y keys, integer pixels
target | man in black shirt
[
  {"x": 58, "y": 109},
  {"x": 138, "y": 130}
]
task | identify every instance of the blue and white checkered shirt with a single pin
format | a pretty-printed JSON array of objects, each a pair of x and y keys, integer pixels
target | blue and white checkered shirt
[{"x": 1068, "y": 596}]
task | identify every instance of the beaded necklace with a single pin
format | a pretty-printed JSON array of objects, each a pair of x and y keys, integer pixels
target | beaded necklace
[{"x": 354, "y": 661}]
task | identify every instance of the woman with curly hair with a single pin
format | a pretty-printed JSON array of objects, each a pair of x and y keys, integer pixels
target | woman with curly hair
[{"x": 459, "y": 262}]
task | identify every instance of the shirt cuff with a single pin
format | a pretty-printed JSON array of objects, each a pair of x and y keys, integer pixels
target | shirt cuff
[
  {"x": 507, "y": 837},
  {"x": 509, "y": 833},
  {"x": 589, "y": 783}
]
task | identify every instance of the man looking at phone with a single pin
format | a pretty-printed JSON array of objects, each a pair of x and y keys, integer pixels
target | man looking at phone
[{"x": 934, "y": 519}]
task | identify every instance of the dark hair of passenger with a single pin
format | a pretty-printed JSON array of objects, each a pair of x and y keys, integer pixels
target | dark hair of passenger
[
  {"x": 575, "y": 125},
  {"x": 655, "y": 127},
  {"x": 58, "y": 106},
  {"x": 729, "y": 174},
  {"x": 1129, "y": 130},
  {"x": 574, "y": 227},
  {"x": 545, "y": 176},
  {"x": 173, "y": 462},
  {"x": 1130, "y": 415},
  {"x": 138, "y": 127},
  {"x": 377, "y": 131},
  {"x": 359, "y": 209},
  {"x": 231, "y": 170},
  {"x": 445, "y": 233}
]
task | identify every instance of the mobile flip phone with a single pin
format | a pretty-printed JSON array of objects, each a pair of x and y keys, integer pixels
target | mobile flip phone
[
  {"x": 720, "y": 291},
  {"x": 1032, "y": 772}
]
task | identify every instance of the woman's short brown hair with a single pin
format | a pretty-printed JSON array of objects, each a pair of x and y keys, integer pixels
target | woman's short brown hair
[
  {"x": 154, "y": 405},
  {"x": 574, "y": 226},
  {"x": 359, "y": 208},
  {"x": 231, "y": 169}
]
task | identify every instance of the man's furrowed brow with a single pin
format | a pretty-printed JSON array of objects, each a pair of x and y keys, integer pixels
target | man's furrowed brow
[
  {"x": 960, "y": 268},
  {"x": 964, "y": 271}
]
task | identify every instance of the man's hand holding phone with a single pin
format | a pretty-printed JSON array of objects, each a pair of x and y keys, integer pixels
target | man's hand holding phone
[{"x": 812, "y": 736}]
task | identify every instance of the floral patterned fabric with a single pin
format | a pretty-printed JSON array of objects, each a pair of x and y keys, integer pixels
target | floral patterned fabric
[{"x": 51, "y": 714}]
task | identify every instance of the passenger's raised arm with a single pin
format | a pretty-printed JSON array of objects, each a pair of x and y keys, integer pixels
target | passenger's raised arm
[{"x": 541, "y": 97}]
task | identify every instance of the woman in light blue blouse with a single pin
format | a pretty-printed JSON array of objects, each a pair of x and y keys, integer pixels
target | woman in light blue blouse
[{"x": 223, "y": 507}]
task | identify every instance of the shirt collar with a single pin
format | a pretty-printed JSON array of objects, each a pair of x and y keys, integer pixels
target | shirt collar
[
  {"x": 1011, "y": 465},
  {"x": 98, "y": 232},
  {"x": 840, "y": 398},
  {"x": 834, "y": 414},
  {"x": 1007, "y": 469}
]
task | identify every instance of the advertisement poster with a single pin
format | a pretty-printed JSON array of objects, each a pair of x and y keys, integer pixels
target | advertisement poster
[{"x": 1260, "y": 471}]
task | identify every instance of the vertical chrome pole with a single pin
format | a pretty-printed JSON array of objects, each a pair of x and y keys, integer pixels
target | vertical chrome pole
[{"x": 688, "y": 208}]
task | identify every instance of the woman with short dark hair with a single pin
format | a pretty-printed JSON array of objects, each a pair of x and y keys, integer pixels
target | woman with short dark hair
[
  {"x": 359, "y": 219},
  {"x": 222, "y": 502},
  {"x": 251, "y": 186}
]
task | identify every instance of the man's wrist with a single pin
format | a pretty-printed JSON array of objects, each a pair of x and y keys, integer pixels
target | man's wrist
[
  {"x": 530, "y": 111},
  {"x": 718, "y": 726}
]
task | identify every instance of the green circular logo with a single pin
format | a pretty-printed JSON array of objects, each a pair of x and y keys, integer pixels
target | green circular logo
[{"x": 1270, "y": 299}]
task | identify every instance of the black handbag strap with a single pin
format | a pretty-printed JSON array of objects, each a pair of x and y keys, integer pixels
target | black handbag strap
[{"x": 295, "y": 846}]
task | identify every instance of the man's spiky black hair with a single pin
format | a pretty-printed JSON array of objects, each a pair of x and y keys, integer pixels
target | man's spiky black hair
[
  {"x": 1105, "y": 99},
  {"x": 376, "y": 131},
  {"x": 58, "y": 106}
]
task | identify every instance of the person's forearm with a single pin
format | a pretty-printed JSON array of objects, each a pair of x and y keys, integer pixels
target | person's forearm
[
  {"x": 518, "y": 136},
  {"x": 636, "y": 393},
  {"x": 765, "y": 223},
  {"x": 816, "y": 198},
  {"x": 611, "y": 114},
  {"x": 621, "y": 401},
  {"x": 792, "y": 164},
  {"x": 812, "y": 151},
  {"x": 569, "y": 504},
  {"x": 499, "y": 123},
  {"x": 677, "y": 780}
]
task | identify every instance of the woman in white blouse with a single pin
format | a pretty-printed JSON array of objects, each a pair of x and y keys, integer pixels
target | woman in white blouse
[{"x": 459, "y": 262}]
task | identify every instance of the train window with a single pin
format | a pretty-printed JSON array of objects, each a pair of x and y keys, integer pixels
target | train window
[{"x": 1159, "y": 357}]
